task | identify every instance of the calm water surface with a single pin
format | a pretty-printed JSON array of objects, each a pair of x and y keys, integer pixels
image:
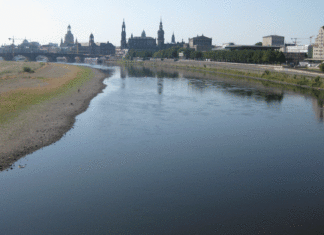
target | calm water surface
[{"x": 161, "y": 153}]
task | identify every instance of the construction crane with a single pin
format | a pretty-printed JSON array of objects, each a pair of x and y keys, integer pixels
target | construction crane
[
  {"x": 13, "y": 44},
  {"x": 295, "y": 40},
  {"x": 310, "y": 39}
]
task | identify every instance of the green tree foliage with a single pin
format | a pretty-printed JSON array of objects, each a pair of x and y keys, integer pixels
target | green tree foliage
[
  {"x": 246, "y": 56},
  {"x": 238, "y": 56},
  {"x": 321, "y": 66},
  {"x": 258, "y": 44}
]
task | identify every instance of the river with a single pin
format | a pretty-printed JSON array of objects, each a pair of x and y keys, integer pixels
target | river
[{"x": 168, "y": 152}]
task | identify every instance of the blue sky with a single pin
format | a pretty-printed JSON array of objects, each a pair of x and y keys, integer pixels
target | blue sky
[{"x": 238, "y": 21}]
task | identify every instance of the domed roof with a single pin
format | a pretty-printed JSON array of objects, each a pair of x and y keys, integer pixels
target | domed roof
[{"x": 143, "y": 34}]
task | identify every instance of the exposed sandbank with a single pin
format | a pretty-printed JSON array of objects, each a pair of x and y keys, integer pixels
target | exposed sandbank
[{"x": 45, "y": 122}]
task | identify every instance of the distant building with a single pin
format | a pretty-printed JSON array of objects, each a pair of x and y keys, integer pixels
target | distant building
[
  {"x": 142, "y": 42},
  {"x": 304, "y": 49},
  {"x": 68, "y": 39},
  {"x": 160, "y": 39},
  {"x": 200, "y": 43},
  {"x": 173, "y": 39},
  {"x": 273, "y": 40},
  {"x": 123, "y": 43},
  {"x": 147, "y": 43},
  {"x": 318, "y": 50},
  {"x": 93, "y": 48},
  {"x": 28, "y": 47}
]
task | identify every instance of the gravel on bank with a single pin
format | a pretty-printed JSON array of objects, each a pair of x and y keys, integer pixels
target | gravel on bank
[{"x": 46, "y": 123}]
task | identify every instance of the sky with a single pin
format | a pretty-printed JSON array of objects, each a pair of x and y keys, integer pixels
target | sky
[{"x": 239, "y": 21}]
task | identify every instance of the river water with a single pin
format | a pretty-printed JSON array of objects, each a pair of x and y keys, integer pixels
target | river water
[{"x": 169, "y": 153}]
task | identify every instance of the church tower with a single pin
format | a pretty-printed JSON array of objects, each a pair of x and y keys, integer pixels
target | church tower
[
  {"x": 92, "y": 45},
  {"x": 69, "y": 39},
  {"x": 173, "y": 39},
  {"x": 123, "y": 43},
  {"x": 160, "y": 40}
]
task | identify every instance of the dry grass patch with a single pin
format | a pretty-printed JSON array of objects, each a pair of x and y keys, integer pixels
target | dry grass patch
[{"x": 21, "y": 92}]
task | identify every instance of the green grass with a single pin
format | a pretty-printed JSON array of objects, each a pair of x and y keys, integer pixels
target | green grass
[
  {"x": 279, "y": 77},
  {"x": 16, "y": 102}
]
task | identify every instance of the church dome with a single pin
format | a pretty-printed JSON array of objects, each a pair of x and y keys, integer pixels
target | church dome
[{"x": 143, "y": 34}]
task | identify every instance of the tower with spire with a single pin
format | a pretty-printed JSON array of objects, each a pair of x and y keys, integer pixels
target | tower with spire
[
  {"x": 68, "y": 39},
  {"x": 92, "y": 45},
  {"x": 160, "y": 40},
  {"x": 123, "y": 43},
  {"x": 173, "y": 39}
]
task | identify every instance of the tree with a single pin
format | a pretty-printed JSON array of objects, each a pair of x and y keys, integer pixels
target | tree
[
  {"x": 321, "y": 66},
  {"x": 258, "y": 44},
  {"x": 281, "y": 57}
]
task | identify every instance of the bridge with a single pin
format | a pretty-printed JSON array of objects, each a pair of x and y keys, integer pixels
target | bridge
[{"x": 51, "y": 57}]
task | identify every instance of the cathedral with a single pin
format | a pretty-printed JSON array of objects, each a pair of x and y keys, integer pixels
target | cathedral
[
  {"x": 90, "y": 47},
  {"x": 147, "y": 43},
  {"x": 68, "y": 39}
]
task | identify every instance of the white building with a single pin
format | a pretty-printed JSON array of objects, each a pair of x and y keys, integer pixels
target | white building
[
  {"x": 318, "y": 51},
  {"x": 297, "y": 49}
]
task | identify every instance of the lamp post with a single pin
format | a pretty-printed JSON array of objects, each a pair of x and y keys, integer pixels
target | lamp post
[{"x": 12, "y": 46}]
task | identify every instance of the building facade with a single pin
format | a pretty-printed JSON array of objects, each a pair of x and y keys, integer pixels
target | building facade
[
  {"x": 318, "y": 49},
  {"x": 273, "y": 40},
  {"x": 93, "y": 48},
  {"x": 200, "y": 43},
  {"x": 142, "y": 42},
  {"x": 147, "y": 43},
  {"x": 68, "y": 39}
]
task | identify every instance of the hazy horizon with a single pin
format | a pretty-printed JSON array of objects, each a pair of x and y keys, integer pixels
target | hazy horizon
[{"x": 241, "y": 22}]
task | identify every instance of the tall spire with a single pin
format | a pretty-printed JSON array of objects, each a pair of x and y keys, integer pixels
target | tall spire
[
  {"x": 160, "y": 39},
  {"x": 123, "y": 42}
]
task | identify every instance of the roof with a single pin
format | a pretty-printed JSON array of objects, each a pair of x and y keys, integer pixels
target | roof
[
  {"x": 273, "y": 36},
  {"x": 201, "y": 37},
  {"x": 137, "y": 38},
  {"x": 251, "y": 47}
]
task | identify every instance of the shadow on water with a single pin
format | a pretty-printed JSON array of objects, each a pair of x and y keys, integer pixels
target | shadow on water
[{"x": 242, "y": 87}]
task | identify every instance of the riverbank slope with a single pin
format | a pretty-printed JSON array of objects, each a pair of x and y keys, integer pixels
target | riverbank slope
[
  {"x": 258, "y": 72},
  {"x": 38, "y": 108}
]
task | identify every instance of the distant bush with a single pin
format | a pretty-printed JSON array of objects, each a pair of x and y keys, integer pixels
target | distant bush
[
  {"x": 317, "y": 82},
  {"x": 266, "y": 73},
  {"x": 28, "y": 70},
  {"x": 322, "y": 67}
]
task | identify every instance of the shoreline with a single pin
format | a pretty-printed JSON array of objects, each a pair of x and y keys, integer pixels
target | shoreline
[
  {"x": 47, "y": 122},
  {"x": 249, "y": 71}
]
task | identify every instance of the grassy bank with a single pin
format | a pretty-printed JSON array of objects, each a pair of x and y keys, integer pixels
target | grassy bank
[
  {"x": 294, "y": 83},
  {"x": 14, "y": 101},
  {"x": 301, "y": 80}
]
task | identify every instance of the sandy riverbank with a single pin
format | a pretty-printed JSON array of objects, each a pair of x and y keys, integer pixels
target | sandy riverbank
[{"x": 45, "y": 122}]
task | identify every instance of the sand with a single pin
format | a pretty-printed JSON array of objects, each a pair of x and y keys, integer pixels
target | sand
[{"x": 45, "y": 123}]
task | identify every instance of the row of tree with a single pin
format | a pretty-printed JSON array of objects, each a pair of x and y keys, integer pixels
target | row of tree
[{"x": 239, "y": 56}]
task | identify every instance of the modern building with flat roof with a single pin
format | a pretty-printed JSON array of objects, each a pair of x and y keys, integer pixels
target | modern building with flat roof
[{"x": 273, "y": 40}]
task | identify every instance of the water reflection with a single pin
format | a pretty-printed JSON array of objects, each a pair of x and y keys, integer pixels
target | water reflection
[
  {"x": 123, "y": 72},
  {"x": 202, "y": 84},
  {"x": 160, "y": 85},
  {"x": 318, "y": 108}
]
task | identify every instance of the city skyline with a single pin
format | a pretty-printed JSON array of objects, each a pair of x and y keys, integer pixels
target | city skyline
[{"x": 241, "y": 22}]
